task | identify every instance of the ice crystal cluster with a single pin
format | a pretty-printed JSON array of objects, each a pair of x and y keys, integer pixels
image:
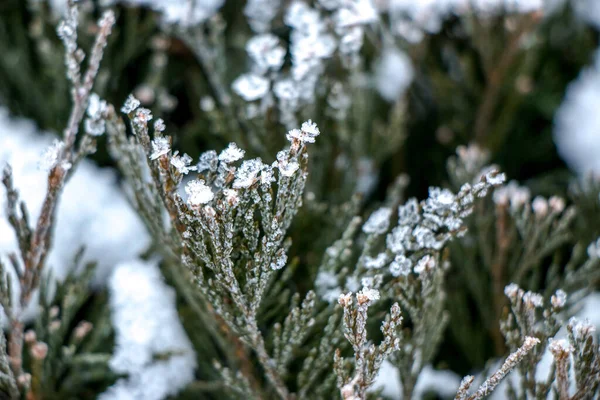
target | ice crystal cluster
[{"x": 266, "y": 215}]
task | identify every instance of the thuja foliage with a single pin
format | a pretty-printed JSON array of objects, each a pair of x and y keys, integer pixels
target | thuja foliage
[{"x": 303, "y": 264}]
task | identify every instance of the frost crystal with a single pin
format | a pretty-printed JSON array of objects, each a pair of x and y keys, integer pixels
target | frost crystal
[
  {"x": 378, "y": 222},
  {"x": 198, "y": 193},
  {"x": 251, "y": 87},
  {"x": 159, "y": 125},
  {"x": 51, "y": 155},
  {"x": 408, "y": 214},
  {"x": 247, "y": 173},
  {"x": 130, "y": 105},
  {"x": 286, "y": 166},
  {"x": 559, "y": 299},
  {"x": 425, "y": 264},
  {"x": 231, "y": 154},
  {"x": 160, "y": 147},
  {"x": 266, "y": 52},
  {"x": 376, "y": 262},
  {"x": 142, "y": 116},
  {"x": 533, "y": 300},
  {"x": 95, "y": 124},
  {"x": 182, "y": 164},
  {"x": 400, "y": 266},
  {"x": 367, "y": 295},
  {"x": 306, "y": 134},
  {"x": 208, "y": 161}
]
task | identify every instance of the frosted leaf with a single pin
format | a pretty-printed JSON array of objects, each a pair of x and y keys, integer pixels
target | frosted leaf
[
  {"x": 142, "y": 116},
  {"x": 398, "y": 240},
  {"x": 560, "y": 348},
  {"x": 208, "y": 161},
  {"x": 401, "y": 266},
  {"x": 247, "y": 173},
  {"x": 266, "y": 175},
  {"x": 286, "y": 90},
  {"x": 280, "y": 260},
  {"x": 251, "y": 87},
  {"x": 231, "y": 154},
  {"x": 159, "y": 125},
  {"x": 376, "y": 262},
  {"x": 533, "y": 300},
  {"x": 559, "y": 299},
  {"x": 306, "y": 134},
  {"x": 408, "y": 214},
  {"x": 266, "y": 52},
  {"x": 96, "y": 106},
  {"x": 367, "y": 295},
  {"x": 355, "y": 12},
  {"x": 160, "y": 147},
  {"x": 94, "y": 127},
  {"x": 440, "y": 201},
  {"x": 130, "y": 104},
  {"x": 260, "y": 13},
  {"x": 511, "y": 290},
  {"x": 495, "y": 178},
  {"x": 182, "y": 163},
  {"x": 351, "y": 42},
  {"x": 51, "y": 155},
  {"x": 198, "y": 193},
  {"x": 425, "y": 264},
  {"x": 581, "y": 329},
  {"x": 378, "y": 222},
  {"x": 286, "y": 166},
  {"x": 425, "y": 238}
]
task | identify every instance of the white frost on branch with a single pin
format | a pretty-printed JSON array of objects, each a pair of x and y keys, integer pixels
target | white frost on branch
[{"x": 151, "y": 347}]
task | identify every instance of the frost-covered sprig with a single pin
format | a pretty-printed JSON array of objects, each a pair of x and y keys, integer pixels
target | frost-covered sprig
[
  {"x": 368, "y": 357},
  {"x": 230, "y": 231},
  {"x": 585, "y": 352},
  {"x": 35, "y": 241},
  {"x": 487, "y": 387},
  {"x": 530, "y": 317}
]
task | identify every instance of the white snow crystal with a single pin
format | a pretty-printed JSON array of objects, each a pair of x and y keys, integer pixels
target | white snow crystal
[
  {"x": 147, "y": 325},
  {"x": 160, "y": 147},
  {"x": 231, "y": 154},
  {"x": 182, "y": 163},
  {"x": 251, "y": 87},
  {"x": 50, "y": 155},
  {"x": 378, "y": 222},
  {"x": 130, "y": 104},
  {"x": 198, "y": 193},
  {"x": 266, "y": 52},
  {"x": 401, "y": 266},
  {"x": 247, "y": 173}
]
